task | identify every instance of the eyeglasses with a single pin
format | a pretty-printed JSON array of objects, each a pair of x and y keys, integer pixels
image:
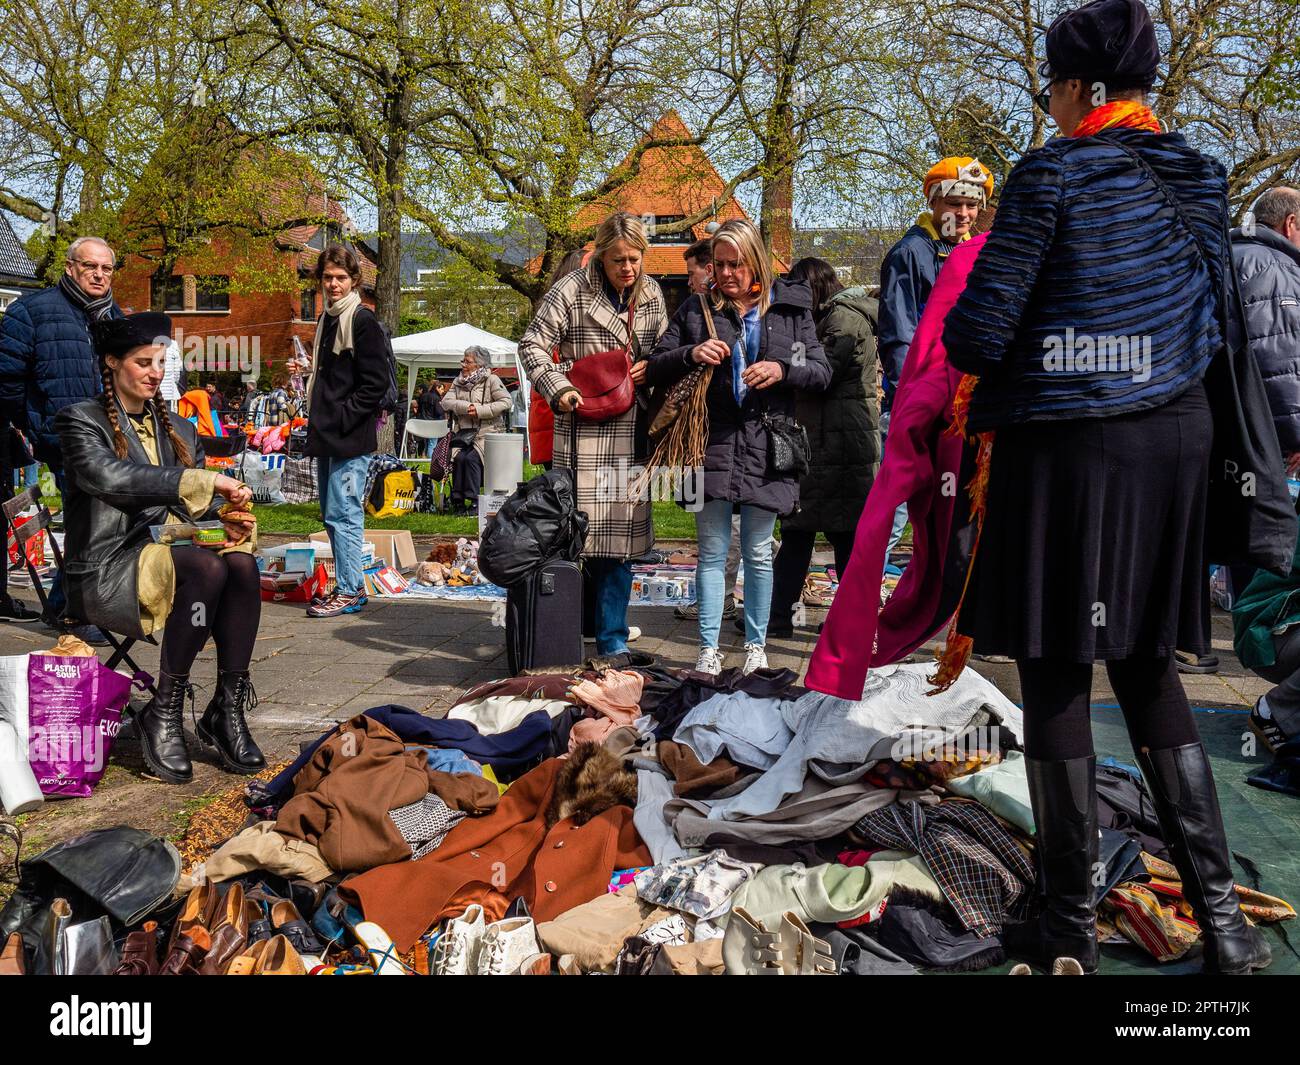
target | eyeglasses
[
  {"x": 1043, "y": 100},
  {"x": 94, "y": 268}
]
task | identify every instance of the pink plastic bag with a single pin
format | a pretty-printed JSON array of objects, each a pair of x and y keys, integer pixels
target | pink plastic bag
[{"x": 74, "y": 711}]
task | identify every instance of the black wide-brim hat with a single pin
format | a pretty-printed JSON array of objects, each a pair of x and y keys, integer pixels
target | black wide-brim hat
[
  {"x": 117, "y": 336},
  {"x": 1108, "y": 41}
]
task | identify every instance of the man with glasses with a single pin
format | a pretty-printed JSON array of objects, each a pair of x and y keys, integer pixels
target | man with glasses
[{"x": 47, "y": 362}]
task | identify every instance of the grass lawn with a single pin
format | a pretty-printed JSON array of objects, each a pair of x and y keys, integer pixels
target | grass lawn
[{"x": 671, "y": 522}]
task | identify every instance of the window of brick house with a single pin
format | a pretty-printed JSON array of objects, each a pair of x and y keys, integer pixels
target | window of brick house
[
  {"x": 307, "y": 312},
  {"x": 173, "y": 297},
  {"x": 212, "y": 294}
]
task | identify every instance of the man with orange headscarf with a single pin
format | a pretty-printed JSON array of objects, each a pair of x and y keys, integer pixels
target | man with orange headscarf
[{"x": 956, "y": 189}]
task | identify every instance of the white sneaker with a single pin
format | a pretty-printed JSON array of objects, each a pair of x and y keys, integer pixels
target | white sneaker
[
  {"x": 710, "y": 661},
  {"x": 755, "y": 658},
  {"x": 506, "y": 945},
  {"x": 456, "y": 951}
]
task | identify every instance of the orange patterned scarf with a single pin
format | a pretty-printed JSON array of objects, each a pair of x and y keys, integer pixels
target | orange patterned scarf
[{"x": 1124, "y": 114}]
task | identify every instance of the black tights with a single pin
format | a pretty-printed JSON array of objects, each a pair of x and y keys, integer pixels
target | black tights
[
  {"x": 1058, "y": 724},
  {"x": 791, "y": 566},
  {"x": 217, "y": 594}
]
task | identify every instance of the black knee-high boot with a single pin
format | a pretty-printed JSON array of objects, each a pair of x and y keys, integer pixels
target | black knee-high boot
[
  {"x": 1182, "y": 785},
  {"x": 1064, "y": 798}
]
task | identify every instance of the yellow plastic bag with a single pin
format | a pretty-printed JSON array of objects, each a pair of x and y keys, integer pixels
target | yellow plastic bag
[{"x": 395, "y": 492}]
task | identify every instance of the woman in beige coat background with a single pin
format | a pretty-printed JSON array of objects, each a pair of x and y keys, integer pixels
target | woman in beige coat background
[
  {"x": 584, "y": 313},
  {"x": 476, "y": 400}
]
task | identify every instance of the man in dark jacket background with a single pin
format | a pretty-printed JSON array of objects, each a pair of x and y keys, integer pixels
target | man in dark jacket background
[
  {"x": 1266, "y": 258},
  {"x": 47, "y": 362}
]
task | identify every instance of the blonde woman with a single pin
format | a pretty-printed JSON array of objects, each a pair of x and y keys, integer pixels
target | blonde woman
[
  {"x": 763, "y": 346},
  {"x": 584, "y": 313}
]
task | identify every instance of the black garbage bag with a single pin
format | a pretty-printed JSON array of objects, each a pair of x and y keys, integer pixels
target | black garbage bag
[{"x": 538, "y": 524}]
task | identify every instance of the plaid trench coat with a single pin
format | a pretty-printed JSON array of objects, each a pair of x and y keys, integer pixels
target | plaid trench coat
[{"x": 578, "y": 319}]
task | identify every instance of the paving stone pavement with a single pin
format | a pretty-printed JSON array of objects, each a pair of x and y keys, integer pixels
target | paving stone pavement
[{"x": 312, "y": 673}]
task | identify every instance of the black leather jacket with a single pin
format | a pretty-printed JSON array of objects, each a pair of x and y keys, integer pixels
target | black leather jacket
[{"x": 109, "y": 505}]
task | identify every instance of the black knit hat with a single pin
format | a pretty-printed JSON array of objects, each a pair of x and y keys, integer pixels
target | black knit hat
[
  {"x": 117, "y": 336},
  {"x": 1110, "y": 41}
]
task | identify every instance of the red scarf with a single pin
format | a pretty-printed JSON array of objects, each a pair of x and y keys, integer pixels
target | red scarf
[{"x": 1124, "y": 114}]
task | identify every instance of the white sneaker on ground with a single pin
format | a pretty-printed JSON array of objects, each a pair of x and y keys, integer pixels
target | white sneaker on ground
[
  {"x": 755, "y": 658},
  {"x": 506, "y": 944},
  {"x": 710, "y": 661},
  {"x": 456, "y": 951}
]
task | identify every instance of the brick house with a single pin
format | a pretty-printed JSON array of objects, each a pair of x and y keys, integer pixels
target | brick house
[{"x": 202, "y": 301}]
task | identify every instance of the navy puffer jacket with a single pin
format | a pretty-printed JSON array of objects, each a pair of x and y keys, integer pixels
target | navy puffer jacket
[
  {"x": 47, "y": 362},
  {"x": 735, "y": 461},
  {"x": 1268, "y": 270}
]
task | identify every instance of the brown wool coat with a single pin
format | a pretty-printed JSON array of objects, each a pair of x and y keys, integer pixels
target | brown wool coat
[
  {"x": 494, "y": 859},
  {"x": 577, "y": 318},
  {"x": 341, "y": 797}
]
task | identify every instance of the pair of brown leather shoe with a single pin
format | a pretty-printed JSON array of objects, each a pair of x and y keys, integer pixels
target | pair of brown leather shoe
[
  {"x": 226, "y": 920},
  {"x": 185, "y": 953},
  {"x": 270, "y": 957}
]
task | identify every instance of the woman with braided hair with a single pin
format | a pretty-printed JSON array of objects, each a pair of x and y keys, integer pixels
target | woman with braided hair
[{"x": 129, "y": 466}]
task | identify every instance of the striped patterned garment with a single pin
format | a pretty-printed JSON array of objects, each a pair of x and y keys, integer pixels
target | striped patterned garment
[{"x": 1091, "y": 297}]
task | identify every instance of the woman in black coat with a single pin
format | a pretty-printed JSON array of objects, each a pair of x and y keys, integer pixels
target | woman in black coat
[
  {"x": 129, "y": 466},
  {"x": 843, "y": 426},
  {"x": 765, "y": 347}
]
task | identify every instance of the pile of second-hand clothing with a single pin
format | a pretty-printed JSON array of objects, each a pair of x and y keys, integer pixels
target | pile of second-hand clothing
[{"x": 617, "y": 817}]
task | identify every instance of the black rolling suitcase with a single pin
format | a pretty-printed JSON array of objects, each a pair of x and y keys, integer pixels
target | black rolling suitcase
[{"x": 544, "y": 618}]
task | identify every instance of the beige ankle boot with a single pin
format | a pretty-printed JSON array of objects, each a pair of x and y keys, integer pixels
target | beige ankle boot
[{"x": 749, "y": 949}]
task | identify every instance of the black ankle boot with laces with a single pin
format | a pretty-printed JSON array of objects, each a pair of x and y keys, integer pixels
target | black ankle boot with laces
[
  {"x": 162, "y": 734},
  {"x": 224, "y": 728}
]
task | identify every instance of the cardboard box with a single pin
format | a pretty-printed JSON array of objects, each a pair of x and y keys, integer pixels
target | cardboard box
[{"x": 394, "y": 546}]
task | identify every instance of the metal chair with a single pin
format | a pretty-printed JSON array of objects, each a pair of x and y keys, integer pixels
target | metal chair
[{"x": 29, "y": 530}]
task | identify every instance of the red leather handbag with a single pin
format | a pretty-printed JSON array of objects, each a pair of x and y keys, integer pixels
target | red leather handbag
[{"x": 604, "y": 380}]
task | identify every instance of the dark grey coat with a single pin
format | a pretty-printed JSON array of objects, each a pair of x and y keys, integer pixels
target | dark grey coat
[
  {"x": 108, "y": 508},
  {"x": 843, "y": 422},
  {"x": 1268, "y": 270},
  {"x": 735, "y": 464}
]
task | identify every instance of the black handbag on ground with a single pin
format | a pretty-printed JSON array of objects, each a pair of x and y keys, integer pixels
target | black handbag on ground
[{"x": 788, "y": 449}]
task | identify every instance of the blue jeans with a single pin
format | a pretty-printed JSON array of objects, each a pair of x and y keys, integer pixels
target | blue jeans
[
  {"x": 27, "y": 474},
  {"x": 611, "y": 579},
  {"x": 343, "y": 510},
  {"x": 713, "y": 528},
  {"x": 900, "y": 515}
]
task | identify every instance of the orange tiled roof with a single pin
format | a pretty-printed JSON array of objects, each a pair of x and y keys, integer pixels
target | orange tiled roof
[
  {"x": 677, "y": 180},
  {"x": 673, "y": 181}
]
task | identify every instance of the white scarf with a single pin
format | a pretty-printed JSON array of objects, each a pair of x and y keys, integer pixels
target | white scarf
[{"x": 343, "y": 309}]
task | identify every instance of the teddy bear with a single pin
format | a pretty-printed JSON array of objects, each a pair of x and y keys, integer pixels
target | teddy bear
[
  {"x": 438, "y": 566},
  {"x": 465, "y": 570}
]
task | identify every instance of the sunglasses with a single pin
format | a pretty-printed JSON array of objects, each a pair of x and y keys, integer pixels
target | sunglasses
[{"x": 1043, "y": 100}]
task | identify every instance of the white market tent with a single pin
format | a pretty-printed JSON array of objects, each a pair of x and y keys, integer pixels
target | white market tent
[{"x": 442, "y": 349}]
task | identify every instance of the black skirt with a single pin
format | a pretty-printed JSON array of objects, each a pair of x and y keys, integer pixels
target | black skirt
[{"x": 1092, "y": 547}]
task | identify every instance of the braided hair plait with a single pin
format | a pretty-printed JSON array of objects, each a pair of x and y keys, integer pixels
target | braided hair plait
[
  {"x": 182, "y": 452},
  {"x": 109, "y": 397}
]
